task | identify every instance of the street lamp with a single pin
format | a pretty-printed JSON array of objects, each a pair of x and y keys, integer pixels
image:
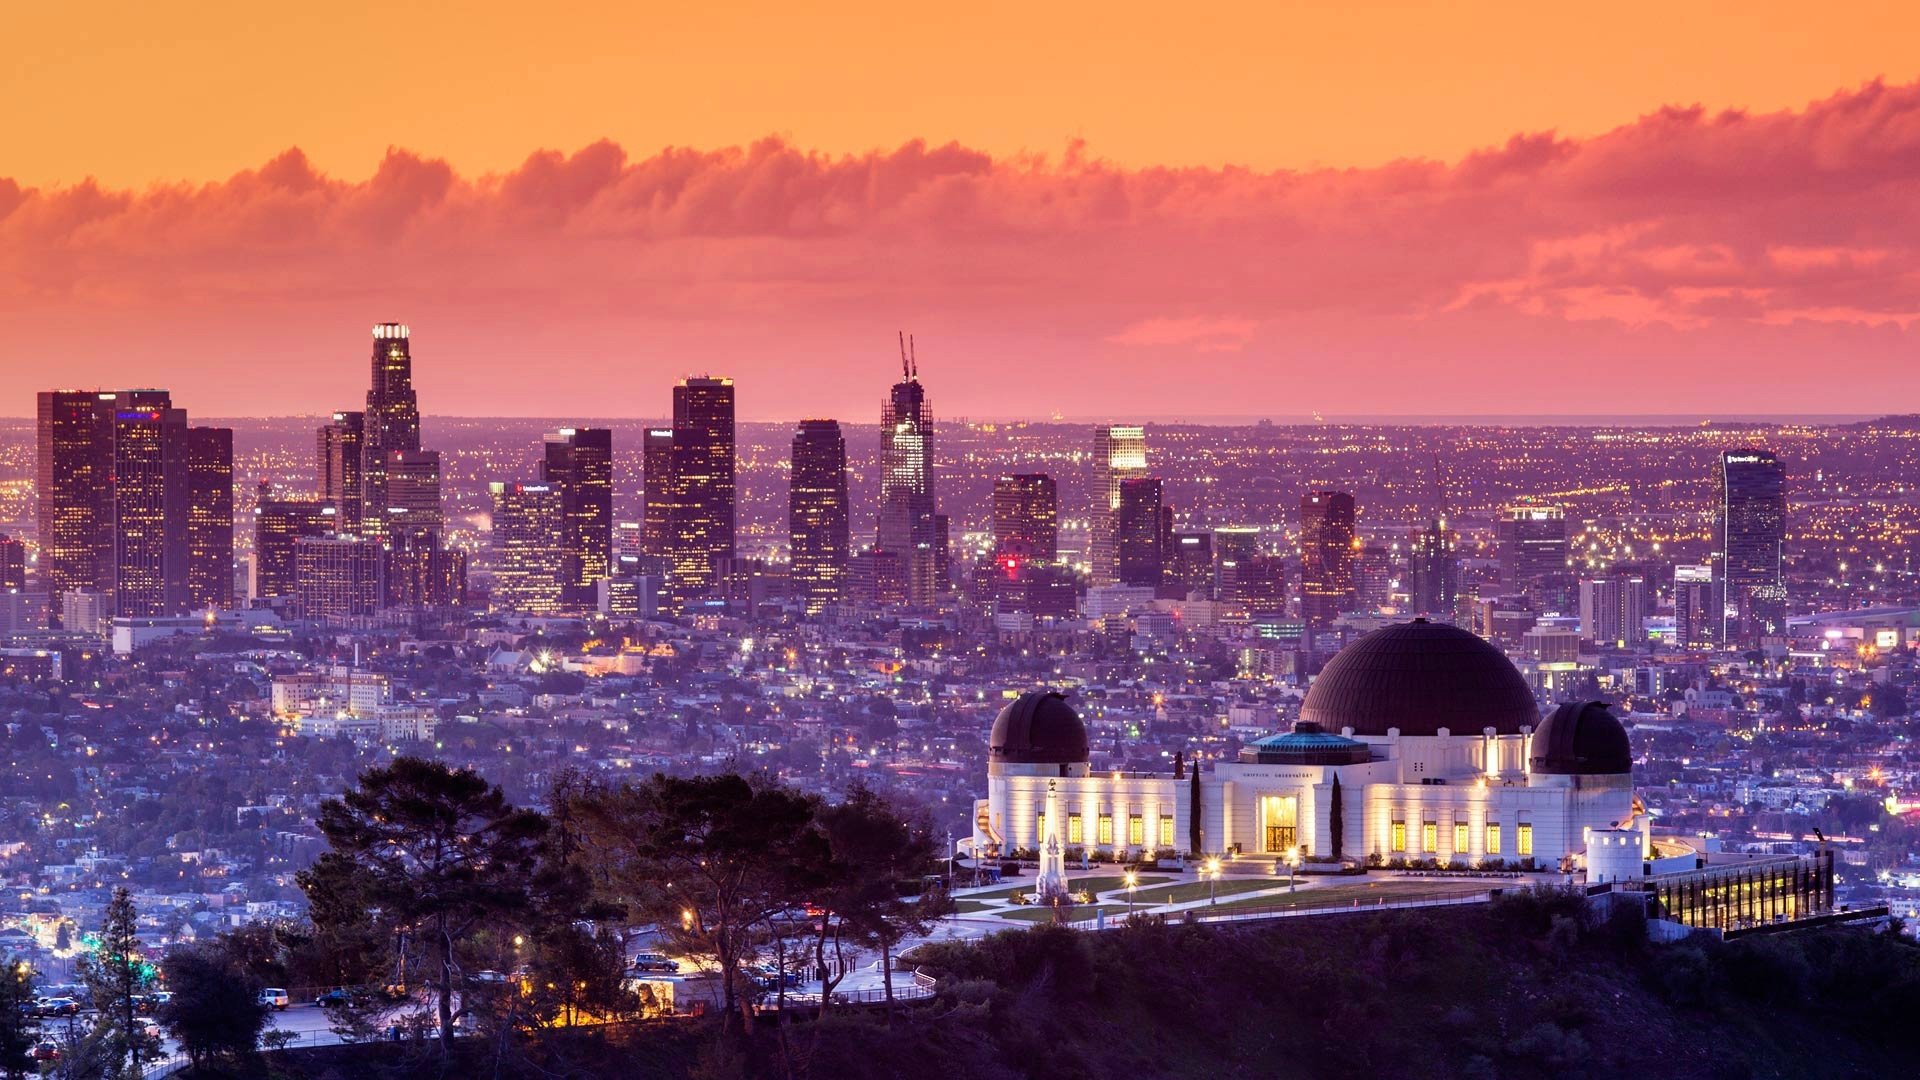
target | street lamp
[
  {"x": 1133, "y": 880},
  {"x": 1293, "y": 860},
  {"x": 1213, "y": 889}
]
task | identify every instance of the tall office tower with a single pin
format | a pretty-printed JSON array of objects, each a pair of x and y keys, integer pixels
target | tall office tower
[
  {"x": 74, "y": 491},
  {"x": 420, "y": 573},
  {"x": 337, "y": 578},
  {"x": 413, "y": 494},
  {"x": 1119, "y": 454},
  {"x": 1026, "y": 519},
  {"x": 817, "y": 515},
  {"x": 1260, "y": 582},
  {"x": 278, "y": 524},
  {"x": 1636, "y": 604},
  {"x": 656, "y": 479},
  {"x": 1433, "y": 576},
  {"x": 906, "y": 524},
  {"x": 1373, "y": 579},
  {"x": 578, "y": 463},
  {"x": 1750, "y": 529},
  {"x": 629, "y": 541},
  {"x": 1697, "y": 615},
  {"x": 150, "y": 502},
  {"x": 338, "y": 446},
  {"x": 1326, "y": 556},
  {"x": 527, "y": 548},
  {"x": 1234, "y": 547},
  {"x": 13, "y": 563},
  {"x": 209, "y": 518},
  {"x": 1600, "y": 611},
  {"x": 1138, "y": 546},
  {"x": 701, "y": 532},
  {"x": 391, "y": 425},
  {"x": 1533, "y": 555},
  {"x": 1190, "y": 569}
]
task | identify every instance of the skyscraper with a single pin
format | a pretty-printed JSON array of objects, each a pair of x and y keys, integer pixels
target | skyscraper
[
  {"x": 1373, "y": 580},
  {"x": 1119, "y": 453},
  {"x": 1234, "y": 549},
  {"x": 391, "y": 424},
  {"x": 209, "y": 518},
  {"x": 422, "y": 574},
  {"x": 413, "y": 494},
  {"x": 656, "y": 478},
  {"x": 527, "y": 543},
  {"x": 337, "y": 578},
  {"x": 13, "y": 564},
  {"x": 907, "y": 525},
  {"x": 338, "y": 447},
  {"x": 578, "y": 463},
  {"x": 150, "y": 499},
  {"x": 1433, "y": 576},
  {"x": 1326, "y": 556},
  {"x": 1697, "y": 610},
  {"x": 701, "y": 534},
  {"x": 1026, "y": 519},
  {"x": 278, "y": 524},
  {"x": 1533, "y": 555},
  {"x": 1750, "y": 531},
  {"x": 1190, "y": 569},
  {"x": 74, "y": 491},
  {"x": 1138, "y": 544},
  {"x": 817, "y": 525}
]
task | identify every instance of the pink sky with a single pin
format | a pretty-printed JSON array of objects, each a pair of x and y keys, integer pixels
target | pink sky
[{"x": 1685, "y": 262}]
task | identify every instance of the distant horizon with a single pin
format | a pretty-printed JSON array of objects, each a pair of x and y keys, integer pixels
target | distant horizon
[{"x": 1679, "y": 419}]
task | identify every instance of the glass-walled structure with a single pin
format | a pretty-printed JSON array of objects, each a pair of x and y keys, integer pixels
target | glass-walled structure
[{"x": 1747, "y": 895}]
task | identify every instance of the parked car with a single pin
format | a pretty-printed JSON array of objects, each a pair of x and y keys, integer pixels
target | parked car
[
  {"x": 46, "y": 1051},
  {"x": 653, "y": 961},
  {"x": 56, "y": 1006},
  {"x": 769, "y": 977},
  {"x": 338, "y": 997},
  {"x": 276, "y": 997}
]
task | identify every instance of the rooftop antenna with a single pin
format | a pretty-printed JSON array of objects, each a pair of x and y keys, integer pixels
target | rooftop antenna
[{"x": 905, "y": 371}]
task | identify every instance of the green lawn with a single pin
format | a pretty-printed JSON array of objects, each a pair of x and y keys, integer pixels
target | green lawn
[
  {"x": 1325, "y": 895},
  {"x": 969, "y": 907},
  {"x": 1096, "y": 885},
  {"x": 1200, "y": 890},
  {"x": 1074, "y": 914}
]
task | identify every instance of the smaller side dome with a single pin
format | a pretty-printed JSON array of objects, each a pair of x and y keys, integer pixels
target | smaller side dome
[
  {"x": 1039, "y": 728},
  {"x": 1581, "y": 739}
]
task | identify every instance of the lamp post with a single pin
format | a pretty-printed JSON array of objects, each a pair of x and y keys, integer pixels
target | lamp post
[
  {"x": 1293, "y": 861},
  {"x": 1133, "y": 880},
  {"x": 1213, "y": 873}
]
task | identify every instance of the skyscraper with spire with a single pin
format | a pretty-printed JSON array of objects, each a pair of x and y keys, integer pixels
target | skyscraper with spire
[
  {"x": 908, "y": 525},
  {"x": 391, "y": 425},
  {"x": 1119, "y": 455}
]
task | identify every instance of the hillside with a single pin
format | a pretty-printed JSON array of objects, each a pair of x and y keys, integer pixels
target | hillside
[{"x": 1525, "y": 988}]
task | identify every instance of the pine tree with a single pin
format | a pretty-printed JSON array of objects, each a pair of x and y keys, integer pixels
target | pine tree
[
  {"x": 19, "y": 1030},
  {"x": 115, "y": 974}
]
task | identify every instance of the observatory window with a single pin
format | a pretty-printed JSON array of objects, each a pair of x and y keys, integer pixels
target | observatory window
[
  {"x": 1105, "y": 836},
  {"x": 1399, "y": 836},
  {"x": 1461, "y": 842},
  {"x": 1526, "y": 839},
  {"x": 1136, "y": 830},
  {"x": 1076, "y": 834},
  {"x": 1166, "y": 830},
  {"x": 1493, "y": 838},
  {"x": 1429, "y": 836}
]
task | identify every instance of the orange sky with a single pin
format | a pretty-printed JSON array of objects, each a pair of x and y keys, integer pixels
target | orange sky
[
  {"x": 1444, "y": 208},
  {"x": 131, "y": 92}
]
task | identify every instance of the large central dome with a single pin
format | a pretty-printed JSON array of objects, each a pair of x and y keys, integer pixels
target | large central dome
[{"x": 1420, "y": 677}]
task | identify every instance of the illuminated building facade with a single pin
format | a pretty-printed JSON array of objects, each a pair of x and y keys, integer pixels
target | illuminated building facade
[
  {"x": 337, "y": 578},
  {"x": 701, "y": 533},
  {"x": 413, "y": 493},
  {"x": 150, "y": 496},
  {"x": 391, "y": 423},
  {"x": 578, "y": 463},
  {"x": 1234, "y": 548},
  {"x": 656, "y": 478},
  {"x": 337, "y": 453},
  {"x": 817, "y": 527},
  {"x": 527, "y": 545},
  {"x": 209, "y": 518},
  {"x": 1190, "y": 565},
  {"x": 907, "y": 524},
  {"x": 1026, "y": 518},
  {"x": 422, "y": 574},
  {"x": 13, "y": 564},
  {"x": 1533, "y": 555},
  {"x": 1138, "y": 541},
  {"x": 1750, "y": 531},
  {"x": 1696, "y": 607},
  {"x": 278, "y": 524},
  {"x": 1433, "y": 575},
  {"x": 73, "y": 491},
  {"x": 1119, "y": 454},
  {"x": 1326, "y": 556}
]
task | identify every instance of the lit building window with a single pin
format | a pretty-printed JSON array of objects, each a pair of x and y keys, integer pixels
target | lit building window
[
  {"x": 1461, "y": 842},
  {"x": 1166, "y": 830},
  {"x": 1075, "y": 834},
  {"x": 1399, "y": 836},
  {"x": 1136, "y": 830},
  {"x": 1429, "y": 836},
  {"x": 1526, "y": 839},
  {"x": 1106, "y": 829},
  {"x": 1493, "y": 838},
  {"x": 1280, "y": 816}
]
